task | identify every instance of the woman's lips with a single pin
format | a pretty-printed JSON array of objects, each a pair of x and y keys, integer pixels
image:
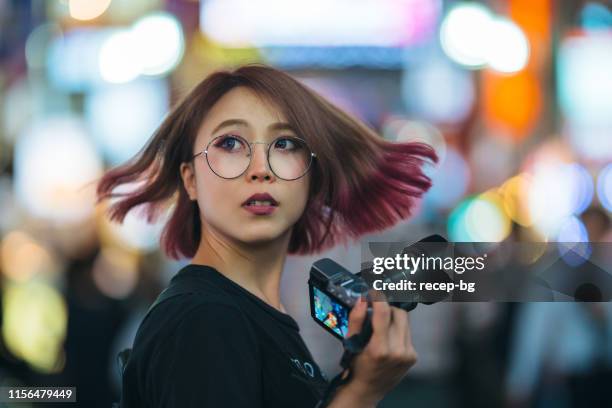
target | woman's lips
[{"x": 260, "y": 209}]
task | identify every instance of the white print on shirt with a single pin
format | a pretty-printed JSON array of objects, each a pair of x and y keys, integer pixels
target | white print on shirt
[{"x": 306, "y": 367}]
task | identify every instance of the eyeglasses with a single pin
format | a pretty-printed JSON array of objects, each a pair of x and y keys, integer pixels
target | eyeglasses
[{"x": 229, "y": 156}]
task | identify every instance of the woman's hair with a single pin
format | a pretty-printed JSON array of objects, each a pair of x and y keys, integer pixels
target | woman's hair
[{"x": 359, "y": 182}]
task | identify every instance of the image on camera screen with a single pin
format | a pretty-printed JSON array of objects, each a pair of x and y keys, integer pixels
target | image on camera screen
[{"x": 330, "y": 313}]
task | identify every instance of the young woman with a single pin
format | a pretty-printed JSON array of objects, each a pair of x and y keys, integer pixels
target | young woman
[{"x": 257, "y": 166}]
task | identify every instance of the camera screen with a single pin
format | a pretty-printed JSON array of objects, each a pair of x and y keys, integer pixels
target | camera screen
[{"x": 330, "y": 313}]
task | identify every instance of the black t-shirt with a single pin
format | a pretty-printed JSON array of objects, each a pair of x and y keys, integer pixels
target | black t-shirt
[{"x": 220, "y": 346}]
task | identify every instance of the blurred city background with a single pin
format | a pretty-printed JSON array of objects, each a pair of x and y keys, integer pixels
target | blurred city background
[{"x": 516, "y": 97}]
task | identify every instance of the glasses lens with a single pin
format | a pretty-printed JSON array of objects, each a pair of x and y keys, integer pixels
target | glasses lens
[
  {"x": 289, "y": 157},
  {"x": 228, "y": 156}
]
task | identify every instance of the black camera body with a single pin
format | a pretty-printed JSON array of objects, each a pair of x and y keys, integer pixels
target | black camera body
[{"x": 334, "y": 290}]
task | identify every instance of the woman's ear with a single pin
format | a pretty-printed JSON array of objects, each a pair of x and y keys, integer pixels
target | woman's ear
[{"x": 189, "y": 181}]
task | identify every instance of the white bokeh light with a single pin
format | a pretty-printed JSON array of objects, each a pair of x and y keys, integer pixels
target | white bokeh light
[
  {"x": 584, "y": 80},
  {"x": 508, "y": 49},
  {"x": 119, "y": 59},
  {"x": 557, "y": 192},
  {"x": 464, "y": 34},
  {"x": 160, "y": 42},
  {"x": 390, "y": 23},
  {"x": 123, "y": 117},
  {"x": 55, "y": 162},
  {"x": 474, "y": 37}
]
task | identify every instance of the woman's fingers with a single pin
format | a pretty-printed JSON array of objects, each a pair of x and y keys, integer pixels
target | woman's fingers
[
  {"x": 408, "y": 338},
  {"x": 357, "y": 317},
  {"x": 391, "y": 340},
  {"x": 397, "y": 330},
  {"x": 381, "y": 321},
  {"x": 410, "y": 353}
]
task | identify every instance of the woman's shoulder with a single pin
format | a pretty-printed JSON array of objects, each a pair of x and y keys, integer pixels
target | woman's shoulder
[
  {"x": 195, "y": 307},
  {"x": 186, "y": 337},
  {"x": 191, "y": 293},
  {"x": 188, "y": 320}
]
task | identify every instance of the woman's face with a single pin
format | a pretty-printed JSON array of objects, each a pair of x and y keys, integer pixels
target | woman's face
[{"x": 242, "y": 113}]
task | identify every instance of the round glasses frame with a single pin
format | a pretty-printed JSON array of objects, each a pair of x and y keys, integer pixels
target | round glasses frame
[{"x": 250, "y": 155}]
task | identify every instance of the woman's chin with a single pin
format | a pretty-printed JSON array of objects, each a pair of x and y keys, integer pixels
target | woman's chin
[{"x": 263, "y": 236}]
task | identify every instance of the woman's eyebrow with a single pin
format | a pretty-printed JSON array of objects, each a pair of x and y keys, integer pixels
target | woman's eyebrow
[
  {"x": 242, "y": 122},
  {"x": 281, "y": 126},
  {"x": 231, "y": 122}
]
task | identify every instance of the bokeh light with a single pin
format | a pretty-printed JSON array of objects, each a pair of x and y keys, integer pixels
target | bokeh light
[
  {"x": 438, "y": 91},
  {"x": 486, "y": 220},
  {"x": 153, "y": 45},
  {"x": 512, "y": 103},
  {"x": 126, "y": 11},
  {"x": 479, "y": 219},
  {"x": 514, "y": 193},
  {"x": 318, "y": 22},
  {"x": 55, "y": 164},
  {"x": 585, "y": 93},
  {"x": 456, "y": 226},
  {"x": 119, "y": 58},
  {"x": 595, "y": 16},
  {"x": 508, "y": 50},
  {"x": 572, "y": 229},
  {"x": 115, "y": 272},
  {"x": 122, "y": 118},
  {"x": 585, "y": 84},
  {"x": 450, "y": 181},
  {"x": 22, "y": 257},
  {"x": 573, "y": 241},
  {"x": 73, "y": 59},
  {"x": 24, "y": 101},
  {"x": 34, "y": 316},
  {"x": 159, "y": 41},
  {"x": 464, "y": 34},
  {"x": 568, "y": 186},
  {"x": 604, "y": 187},
  {"x": 87, "y": 9},
  {"x": 38, "y": 43},
  {"x": 474, "y": 37},
  {"x": 591, "y": 141},
  {"x": 135, "y": 233},
  {"x": 582, "y": 187}
]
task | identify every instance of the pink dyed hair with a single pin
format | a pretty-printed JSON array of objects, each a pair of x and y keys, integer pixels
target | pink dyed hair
[{"x": 359, "y": 182}]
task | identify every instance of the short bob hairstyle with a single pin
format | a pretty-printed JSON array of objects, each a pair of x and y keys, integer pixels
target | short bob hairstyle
[{"x": 359, "y": 182}]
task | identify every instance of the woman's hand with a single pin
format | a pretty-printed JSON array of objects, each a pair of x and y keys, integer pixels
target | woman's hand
[{"x": 384, "y": 361}]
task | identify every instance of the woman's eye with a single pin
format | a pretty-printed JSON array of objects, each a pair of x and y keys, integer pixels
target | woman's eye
[
  {"x": 285, "y": 143},
  {"x": 229, "y": 143}
]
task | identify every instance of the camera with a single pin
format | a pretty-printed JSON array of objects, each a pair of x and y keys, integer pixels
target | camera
[{"x": 334, "y": 290}]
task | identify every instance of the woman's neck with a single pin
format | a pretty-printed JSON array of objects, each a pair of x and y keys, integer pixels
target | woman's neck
[{"x": 257, "y": 268}]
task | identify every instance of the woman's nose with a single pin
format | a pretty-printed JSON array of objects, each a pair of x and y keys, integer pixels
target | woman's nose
[{"x": 259, "y": 167}]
